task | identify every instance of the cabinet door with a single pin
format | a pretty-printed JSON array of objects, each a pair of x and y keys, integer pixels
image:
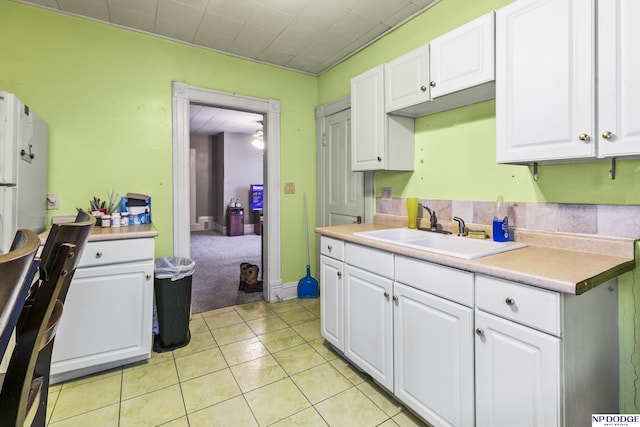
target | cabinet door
[
  {"x": 618, "y": 78},
  {"x": 107, "y": 318},
  {"x": 545, "y": 83},
  {"x": 332, "y": 301},
  {"x": 433, "y": 343},
  {"x": 407, "y": 79},
  {"x": 369, "y": 324},
  {"x": 517, "y": 375},
  {"x": 464, "y": 57},
  {"x": 367, "y": 120}
]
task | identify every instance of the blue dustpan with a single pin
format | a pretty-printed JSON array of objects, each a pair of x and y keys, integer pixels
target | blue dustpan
[{"x": 307, "y": 286}]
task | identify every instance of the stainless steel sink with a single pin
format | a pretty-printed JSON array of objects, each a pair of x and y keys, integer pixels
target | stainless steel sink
[{"x": 460, "y": 247}]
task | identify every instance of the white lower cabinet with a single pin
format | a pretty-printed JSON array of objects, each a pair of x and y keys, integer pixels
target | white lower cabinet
[
  {"x": 464, "y": 349},
  {"x": 517, "y": 374},
  {"x": 544, "y": 359},
  {"x": 368, "y": 311},
  {"x": 433, "y": 348},
  {"x": 108, "y": 312},
  {"x": 368, "y": 321},
  {"x": 331, "y": 303}
]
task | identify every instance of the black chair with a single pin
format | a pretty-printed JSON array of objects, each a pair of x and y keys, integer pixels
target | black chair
[
  {"x": 16, "y": 274},
  {"x": 23, "y": 398}
]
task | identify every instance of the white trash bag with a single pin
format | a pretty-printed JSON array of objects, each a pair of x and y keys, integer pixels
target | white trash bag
[{"x": 174, "y": 268}]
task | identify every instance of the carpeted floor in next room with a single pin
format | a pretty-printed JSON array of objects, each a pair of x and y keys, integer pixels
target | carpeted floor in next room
[{"x": 218, "y": 258}]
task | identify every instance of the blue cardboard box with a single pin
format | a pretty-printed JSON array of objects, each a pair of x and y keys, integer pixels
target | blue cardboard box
[{"x": 139, "y": 208}]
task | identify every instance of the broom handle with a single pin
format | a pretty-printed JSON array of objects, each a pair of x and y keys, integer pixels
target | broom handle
[{"x": 306, "y": 226}]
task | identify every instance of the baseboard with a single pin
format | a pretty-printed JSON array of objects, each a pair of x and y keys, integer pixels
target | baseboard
[
  {"x": 204, "y": 223},
  {"x": 283, "y": 292}
]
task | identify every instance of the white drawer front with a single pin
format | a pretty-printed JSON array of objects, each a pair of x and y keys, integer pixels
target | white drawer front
[
  {"x": 527, "y": 305},
  {"x": 116, "y": 251},
  {"x": 450, "y": 283},
  {"x": 333, "y": 248},
  {"x": 372, "y": 260}
]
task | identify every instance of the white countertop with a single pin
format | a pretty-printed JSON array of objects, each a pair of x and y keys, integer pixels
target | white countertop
[{"x": 116, "y": 233}]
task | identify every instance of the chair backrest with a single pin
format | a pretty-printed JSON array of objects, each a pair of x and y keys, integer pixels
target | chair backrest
[
  {"x": 60, "y": 257},
  {"x": 16, "y": 272},
  {"x": 68, "y": 232}
]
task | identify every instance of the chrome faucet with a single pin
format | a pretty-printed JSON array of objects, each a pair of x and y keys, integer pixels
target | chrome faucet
[
  {"x": 433, "y": 220},
  {"x": 460, "y": 222}
]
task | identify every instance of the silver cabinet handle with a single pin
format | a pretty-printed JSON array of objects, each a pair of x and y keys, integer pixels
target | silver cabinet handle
[
  {"x": 99, "y": 254},
  {"x": 423, "y": 88},
  {"x": 432, "y": 83},
  {"x": 479, "y": 332},
  {"x": 386, "y": 294},
  {"x": 509, "y": 301},
  {"x": 339, "y": 275},
  {"x": 379, "y": 158},
  {"x": 148, "y": 277},
  {"x": 395, "y": 299},
  {"x": 329, "y": 248}
]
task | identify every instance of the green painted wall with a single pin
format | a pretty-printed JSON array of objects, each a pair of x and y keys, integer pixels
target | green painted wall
[
  {"x": 106, "y": 94},
  {"x": 455, "y": 159}
]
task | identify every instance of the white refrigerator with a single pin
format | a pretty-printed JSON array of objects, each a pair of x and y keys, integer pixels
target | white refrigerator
[{"x": 23, "y": 169}]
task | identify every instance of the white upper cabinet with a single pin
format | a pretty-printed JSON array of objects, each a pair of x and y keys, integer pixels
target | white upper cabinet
[
  {"x": 407, "y": 79},
  {"x": 546, "y": 74},
  {"x": 464, "y": 57},
  {"x": 379, "y": 141},
  {"x": 453, "y": 70},
  {"x": 618, "y": 78}
]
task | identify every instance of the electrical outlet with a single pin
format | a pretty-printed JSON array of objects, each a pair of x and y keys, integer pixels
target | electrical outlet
[
  {"x": 387, "y": 193},
  {"x": 289, "y": 188},
  {"x": 52, "y": 202}
]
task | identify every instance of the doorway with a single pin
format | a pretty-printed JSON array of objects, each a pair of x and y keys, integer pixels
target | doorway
[
  {"x": 226, "y": 176},
  {"x": 183, "y": 96}
]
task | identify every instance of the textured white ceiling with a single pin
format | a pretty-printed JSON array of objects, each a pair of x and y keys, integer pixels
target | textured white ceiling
[
  {"x": 310, "y": 36},
  {"x": 204, "y": 120}
]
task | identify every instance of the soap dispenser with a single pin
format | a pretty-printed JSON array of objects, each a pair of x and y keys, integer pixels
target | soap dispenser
[{"x": 500, "y": 223}]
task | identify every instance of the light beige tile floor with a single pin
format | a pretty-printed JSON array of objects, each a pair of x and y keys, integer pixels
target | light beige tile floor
[{"x": 256, "y": 364}]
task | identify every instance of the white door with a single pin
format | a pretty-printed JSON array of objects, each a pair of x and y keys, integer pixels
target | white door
[
  {"x": 332, "y": 301},
  {"x": 407, "y": 79},
  {"x": 433, "y": 356},
  {"x": 464, "y": 57},
  {"x": 517, "y": 375},
  {"x": 545, "y": 82},
  {"x": 342, "y": 189},
  {"x": 619, "y": 78},
  {"x": 369, "y": 323}
]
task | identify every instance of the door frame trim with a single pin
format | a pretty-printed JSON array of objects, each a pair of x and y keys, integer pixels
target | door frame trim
[{"x": 183, "y": 95}]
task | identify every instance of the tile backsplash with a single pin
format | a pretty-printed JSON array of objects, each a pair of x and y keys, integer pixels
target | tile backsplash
[{"x": 601, "y": 220}]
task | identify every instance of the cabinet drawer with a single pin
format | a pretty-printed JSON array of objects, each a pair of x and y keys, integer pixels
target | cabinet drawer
[
  {"x": 372, "y": 260},
  {"x": 450, "y": 283},
  {"x": 116, "y": 251},
  {"x": 527, "y": 305},
  {"x": 333, "y": 248}
]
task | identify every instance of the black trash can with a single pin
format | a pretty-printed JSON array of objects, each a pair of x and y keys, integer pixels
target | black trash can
[{"x": 172, "y": 287}]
